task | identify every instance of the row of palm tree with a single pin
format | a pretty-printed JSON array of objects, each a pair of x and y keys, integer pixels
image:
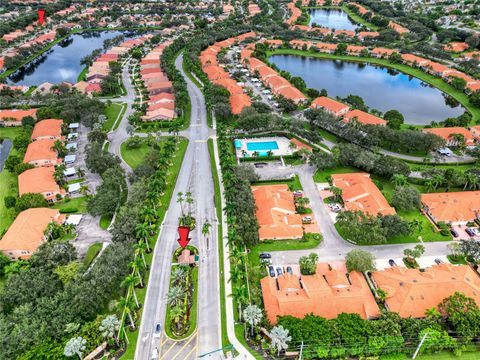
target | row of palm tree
[
  {"x": 179, "y": 298},
  {"x": 145, "y": 228}
]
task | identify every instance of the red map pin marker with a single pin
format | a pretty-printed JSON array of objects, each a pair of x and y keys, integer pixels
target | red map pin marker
[
  {"x": 41, "y": 16},
  {"x": 183, "y": 231}
]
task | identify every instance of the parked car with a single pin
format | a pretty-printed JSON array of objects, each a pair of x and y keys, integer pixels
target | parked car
[
  {"x": 469, "y": 232},
  {"x": 279, "y": 271},
  {"x": 266, "y": 261},
  {"x": 265, "y": 255},
  {"x": 438, "y": 261},
  {"x": 289, "y": 270},
  {"x": 298, "y": 193},
  {"x": 271, "y": 271},
  {"x": 307, "y": 219},
  {"x": 454, "y": 233},
  {"x": 391, "y": 262}
]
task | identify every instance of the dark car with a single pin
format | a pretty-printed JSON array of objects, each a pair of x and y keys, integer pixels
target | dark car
[
  {"x": 438, "y": 261},
  {"x": 454, "y": 233},
  {"x": 470, "y": 232},
  {"x": 158, "y": 328},
  {"x": 271, "y": 271},
  {"x": 265, "y": 256},
  {"x": 279, "y": 271},
  {"x": 391, "y": 262},
  {"x": 289, "y": 270}
]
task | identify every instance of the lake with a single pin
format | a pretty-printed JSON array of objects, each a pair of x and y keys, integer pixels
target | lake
[
  {"x": 381, "y": 88},
  {"x": 62, "y": 62},
  {"x": 5, "y": 147},
  {"x": 331, "y": 18}
]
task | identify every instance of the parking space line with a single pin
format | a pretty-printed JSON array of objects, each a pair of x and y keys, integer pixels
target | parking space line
[
  {"x": 170, "y": 348},
  {"x": 195, "y": 348}
]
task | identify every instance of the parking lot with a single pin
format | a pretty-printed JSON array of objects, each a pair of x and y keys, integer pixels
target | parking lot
[
  {"x": 423, "y": 262},
  {"x": 463, "y": 233}
]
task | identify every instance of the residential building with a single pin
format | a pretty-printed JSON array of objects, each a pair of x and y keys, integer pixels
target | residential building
[
  {"x": 276, "y": 213},
  {"x": 411, "y": 292},
  {"x": 41, "y": 153},
  {"x": 332, "y": 106},
  {"x": 448, "y": 134},
  {"x": 327, "y": 293},
  {"x": 48, "y": 129},
  {"x": 456, "y": 208},
  {"x": 456, "y": 47},
  {"x": 40, "y": 181},
  {"x": 26, "y": 233},
  {"x": 14, "y": 117},
  {"x": 359, "y": 193},
  {"x": 364, "y": 118}
]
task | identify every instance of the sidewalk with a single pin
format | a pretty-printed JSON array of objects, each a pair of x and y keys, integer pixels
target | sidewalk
[{"x": 243, "y": 352}]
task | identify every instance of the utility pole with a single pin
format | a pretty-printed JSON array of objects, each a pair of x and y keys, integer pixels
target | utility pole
[
  {"x": 301, "y": 351},
  {"x": 420, "y": 345}
]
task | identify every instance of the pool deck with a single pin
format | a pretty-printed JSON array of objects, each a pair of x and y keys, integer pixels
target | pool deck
[{"x": 284, "y": 147}]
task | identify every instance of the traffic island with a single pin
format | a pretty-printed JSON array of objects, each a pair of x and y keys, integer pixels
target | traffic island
[{"x": 181, "y": 317}]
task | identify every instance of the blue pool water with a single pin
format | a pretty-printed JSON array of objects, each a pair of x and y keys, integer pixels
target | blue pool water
[
  {"x": 238, "y": 144},
  {"x": 262, "y": 145}
]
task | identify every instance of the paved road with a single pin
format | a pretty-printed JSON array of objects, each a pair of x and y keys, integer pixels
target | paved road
[
  {"x": 195, "y": 176},
  {"x": 118, "y": 136},
  {"x": 333, "y": 246}
]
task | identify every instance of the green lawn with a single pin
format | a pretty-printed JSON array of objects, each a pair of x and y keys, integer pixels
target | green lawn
[
  {"x": 92, "y": 252},
  {"x": 458, "y": 95},
  {"x": 78, "y": 204},
  {"x": 105, "y": 221},
  {"x": 133, "y": 157},
  {"x": 8, "y": 181},
  {"x": 165, "y": 201},
  {"x": 112, "y": 112},
  {"x": 322, "y": 176},
  {"x": 293, "y": 184}
]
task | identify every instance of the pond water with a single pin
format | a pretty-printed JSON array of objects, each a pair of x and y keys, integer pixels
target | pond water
[
  {"x": 62, "y": 62},
  {"x": 5, "y": 147},
  {"x": 381, "y": 88},
  {"x": 331, "y": 18}
]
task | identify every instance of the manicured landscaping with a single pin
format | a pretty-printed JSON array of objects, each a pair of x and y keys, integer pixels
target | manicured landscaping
[
  {"x": 92, "y": 253},
  {"x": 72, "y": 205},
  {"x": 324, "y": 175},
  {"x": 437, "y": 82},
  {"x": 293, "y": 184},
  {"x": 161, "y": 210},
  {"x": 105, "y": 221},
  {"x": 133, "y": 157},
  {"x": 113, "y": 112},
  {"x": 182, "y": 326}
]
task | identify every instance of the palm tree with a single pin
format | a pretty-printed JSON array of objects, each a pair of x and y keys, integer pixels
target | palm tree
[
  {"x": 429, "y": 185},
  {"x": 189, "y": 201},
  {"x": 142, "y": 231},
  {"x": 253, "y": 316},
  {"x": 175, "y": 294},
  {"x": 416, "y": 224},
  {"x": 206, "y": 230},
  {"x": 176, "y": 313},
  {"x": 80, "y": 173},
  {"x": 280, "y": 338},
  {"x": 149, "y": 215},
  {"x": 337, "y": 192},
  {"x": 152, "y": 197},
  {"x": 140, "y": 249},
  {"x": 137, "y": 266},
  {"x": 240, "y": 294},
  {"x": 131, "y": 281},
  {"x": 84, "y": 189},
  {"x": 127, "y": 305},
  {"x": 180, "y": 200},
  {"x": 178, "y": 274}
]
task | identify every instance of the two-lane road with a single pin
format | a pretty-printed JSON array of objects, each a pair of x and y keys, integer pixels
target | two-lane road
[{"x": 195, "y": 176}]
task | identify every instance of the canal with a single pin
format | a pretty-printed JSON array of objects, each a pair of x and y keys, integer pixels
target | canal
[
  {"x": 381, "y": 88},
  {"x": 331, "y": 18},
  {"x": 62, "y": 62},
  {"x": 5, "y": 147}
]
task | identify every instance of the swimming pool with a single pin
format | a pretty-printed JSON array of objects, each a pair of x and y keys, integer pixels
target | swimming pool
[{"x": 262, "y": 146}]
